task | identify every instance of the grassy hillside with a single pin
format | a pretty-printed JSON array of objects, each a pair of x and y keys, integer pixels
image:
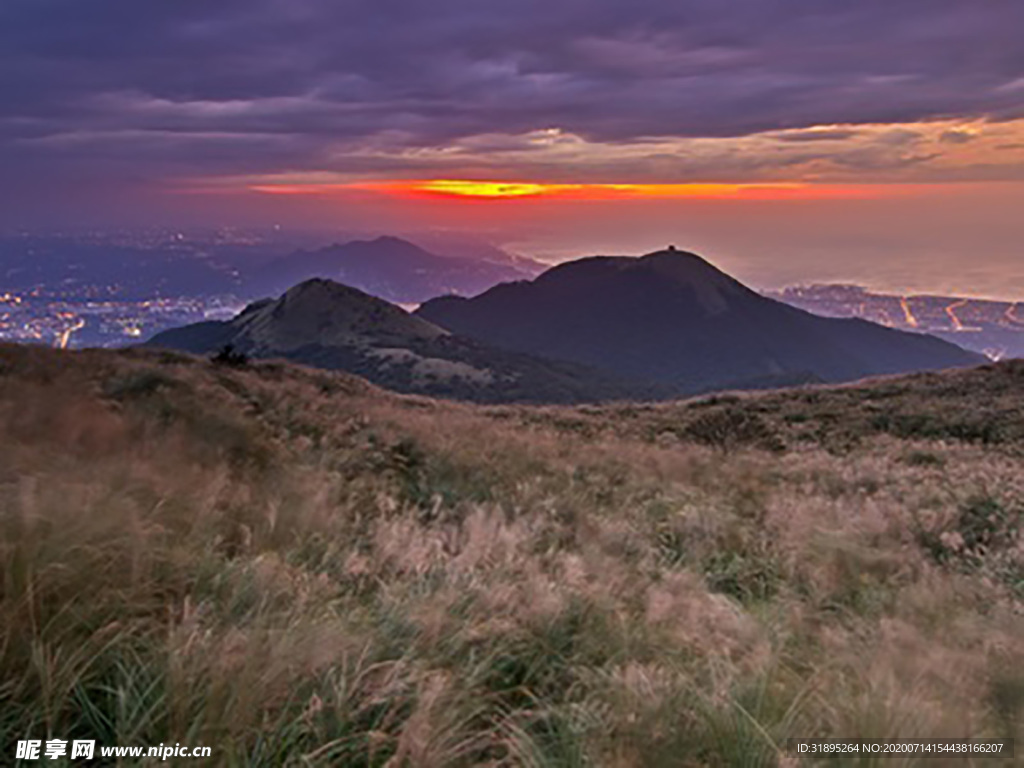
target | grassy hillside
[{"x": 296, "y": 568}]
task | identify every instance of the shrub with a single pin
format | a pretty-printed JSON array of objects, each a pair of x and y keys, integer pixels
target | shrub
[
  {"x": 731, "y": 428},
  {"x": 229, "y": 356}
]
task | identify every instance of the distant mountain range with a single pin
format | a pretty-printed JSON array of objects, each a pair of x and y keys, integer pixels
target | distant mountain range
[
  {"x": 671, "y": 317},
  {"x": 393, "y": 269},
  {"x": 328, "y": 325},
  {"x": 994, "y": 328},
  {"x": 601, "y": 328}
]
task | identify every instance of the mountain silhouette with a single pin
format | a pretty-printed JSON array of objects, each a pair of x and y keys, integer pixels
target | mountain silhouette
[
  {"x": 673, "y": 318},
  {"x": 325, "y": 324},
  {"x": 390, "y": 268}
]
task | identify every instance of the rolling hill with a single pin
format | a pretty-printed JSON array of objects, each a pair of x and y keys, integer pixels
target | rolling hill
[{"x": 328, "y": 325}]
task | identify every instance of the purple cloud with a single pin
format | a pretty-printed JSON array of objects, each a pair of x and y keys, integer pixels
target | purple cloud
[{"x": 147, "y": 90}]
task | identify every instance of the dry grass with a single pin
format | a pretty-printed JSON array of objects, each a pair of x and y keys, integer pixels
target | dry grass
[{"x": 297, "y": 569}]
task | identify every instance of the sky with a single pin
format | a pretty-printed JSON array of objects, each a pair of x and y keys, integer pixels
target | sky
[{"x": 875, "y": 141}]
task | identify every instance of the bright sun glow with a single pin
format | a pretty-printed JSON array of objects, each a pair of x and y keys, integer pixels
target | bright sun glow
[
  {"x": 468, "y": 189},
  {"x": 461, "y": 188},
  {"x": 465, "y": 188}
]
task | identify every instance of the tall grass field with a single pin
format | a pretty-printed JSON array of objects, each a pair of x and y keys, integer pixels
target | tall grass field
[{"x": 298, "y": 569}]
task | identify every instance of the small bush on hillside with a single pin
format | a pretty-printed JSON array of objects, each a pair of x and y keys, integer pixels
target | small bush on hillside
[
  {"x": 229, "y": 356},
  {"x": 732, "y": 428}
]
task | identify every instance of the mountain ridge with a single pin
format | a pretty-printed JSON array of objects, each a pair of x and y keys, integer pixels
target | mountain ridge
[
  {"x": 673, "y": 317},
  {"x": 389, "y": 267},
  {"x": 337, "y": 327}
]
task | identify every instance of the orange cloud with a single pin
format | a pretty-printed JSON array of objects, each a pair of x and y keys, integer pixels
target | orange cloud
[
  {"x": 513, "y": 189},
  {"x": 468, "y": 189}
]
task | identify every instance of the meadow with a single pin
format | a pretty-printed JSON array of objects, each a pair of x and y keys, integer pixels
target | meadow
[{"x": 299, "y": 569}]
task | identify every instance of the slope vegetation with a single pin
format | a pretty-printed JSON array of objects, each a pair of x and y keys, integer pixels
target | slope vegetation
[{"x": 296, "y": 568}]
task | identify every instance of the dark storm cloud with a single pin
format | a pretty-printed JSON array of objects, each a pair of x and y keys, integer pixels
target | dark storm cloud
[{"x": 247, "y": 86}]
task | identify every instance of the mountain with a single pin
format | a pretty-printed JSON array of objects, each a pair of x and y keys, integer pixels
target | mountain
[
  {"x": 673, "y": 318},
  {"x": 458, "y": 245},
  {"x": 393, "y": 269},
  {"x": 329, "y": 325}
]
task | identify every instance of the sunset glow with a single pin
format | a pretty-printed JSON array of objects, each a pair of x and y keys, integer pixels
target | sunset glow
[
  {"x": 513, "y": 189},
  {"x": 870, "y": 143},
  {"x": 506, "y": 190},
  {"x": 466, "y": 188}
]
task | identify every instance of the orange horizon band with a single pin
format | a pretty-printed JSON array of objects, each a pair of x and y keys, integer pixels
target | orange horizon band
[{"x": 507, "y": 190}]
